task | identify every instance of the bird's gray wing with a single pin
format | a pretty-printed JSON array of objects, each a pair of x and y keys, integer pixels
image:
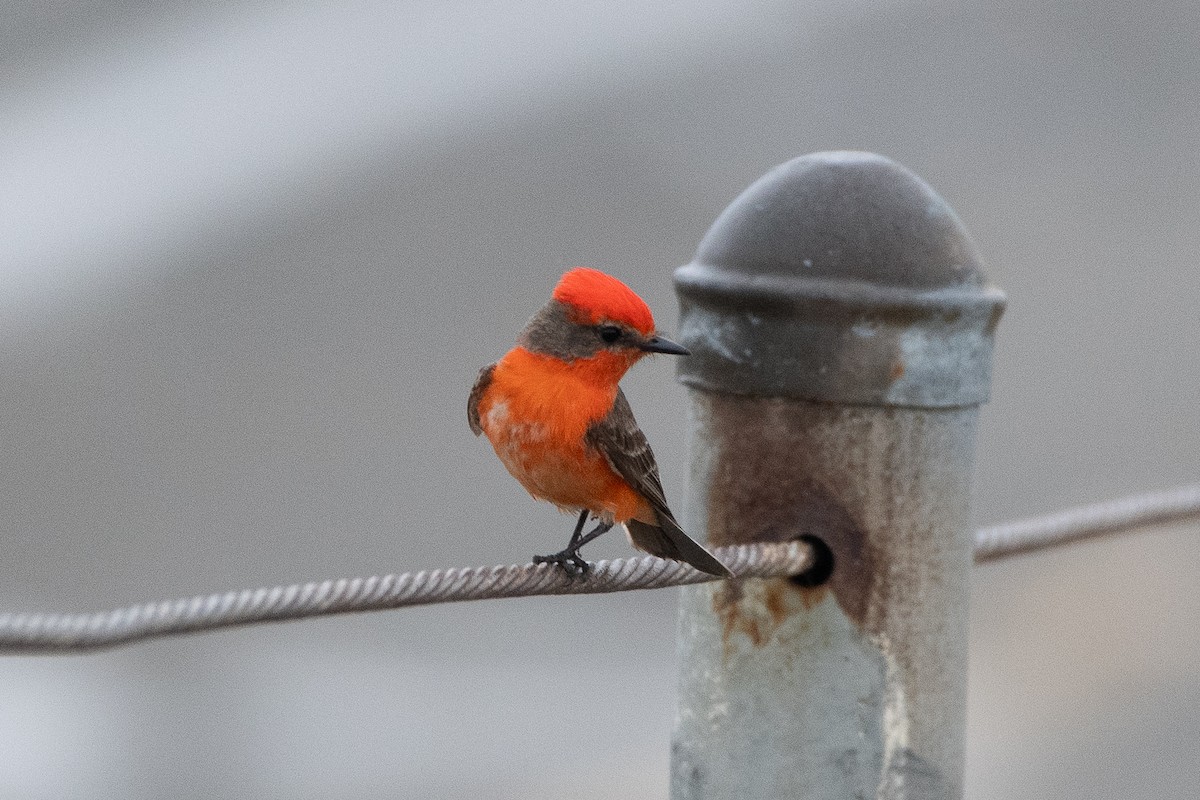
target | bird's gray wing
[
  {"x": 619, "y": 439},
  {"x": 481, "y": 384}
]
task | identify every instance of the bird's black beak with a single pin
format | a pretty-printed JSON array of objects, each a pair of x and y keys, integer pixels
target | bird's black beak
[{"x": 661, "y": 344}]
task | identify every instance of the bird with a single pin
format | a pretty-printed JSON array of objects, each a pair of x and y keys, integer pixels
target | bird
[{"x": 560, "y": 423}]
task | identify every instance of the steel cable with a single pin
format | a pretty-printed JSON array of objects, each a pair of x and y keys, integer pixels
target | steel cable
[
  {"x": 1087, "y": 522},
  {"x": 51, "y": 633},
  {"x": 75, "y": 633}
]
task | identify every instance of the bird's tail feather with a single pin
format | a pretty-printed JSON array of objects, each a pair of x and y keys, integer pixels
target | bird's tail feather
[{"x": 667, "y": 540}]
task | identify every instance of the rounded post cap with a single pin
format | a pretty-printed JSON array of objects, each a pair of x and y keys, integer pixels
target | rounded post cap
[{"x": 840, "y": 277}]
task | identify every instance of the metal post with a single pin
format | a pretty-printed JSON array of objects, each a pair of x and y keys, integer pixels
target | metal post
[{"x": 841, "y": 334}]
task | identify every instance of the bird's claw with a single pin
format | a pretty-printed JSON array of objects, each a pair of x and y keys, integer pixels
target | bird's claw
[{"x": 571, "y": 562}]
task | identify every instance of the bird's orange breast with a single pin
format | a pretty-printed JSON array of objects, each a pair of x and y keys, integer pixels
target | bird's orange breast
[{"x": 536, "y": 412}]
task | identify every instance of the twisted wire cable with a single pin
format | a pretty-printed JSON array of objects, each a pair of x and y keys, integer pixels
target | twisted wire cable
[
  {"x": 1087, "y": 522},
  {"x": 76, "y": 633},
  {"x": 73, "y": 633}
]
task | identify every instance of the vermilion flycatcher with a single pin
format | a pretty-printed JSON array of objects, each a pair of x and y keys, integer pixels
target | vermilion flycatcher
[{"x": 556, "y": 417}]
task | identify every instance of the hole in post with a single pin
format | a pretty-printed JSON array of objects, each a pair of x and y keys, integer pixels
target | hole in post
[{"x": 822, "y": 566}]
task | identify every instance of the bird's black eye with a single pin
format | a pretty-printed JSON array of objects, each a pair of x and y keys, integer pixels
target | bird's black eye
[{"x": 610, "y": 333}]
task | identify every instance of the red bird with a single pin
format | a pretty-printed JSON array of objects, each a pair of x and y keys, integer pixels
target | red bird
[{"x": 556, "y": 417}]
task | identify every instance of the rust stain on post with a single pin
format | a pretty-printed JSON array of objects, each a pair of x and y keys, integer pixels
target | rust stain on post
[
  {"x": 776, "y": 601},
  {"x": 757, "y": 612},
  {"x": 811, "y": 596},
  {"x": 770, "y": 489}
]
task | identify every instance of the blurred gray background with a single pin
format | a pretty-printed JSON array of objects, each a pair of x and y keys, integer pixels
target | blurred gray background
[{"x": 252, "y": 256}]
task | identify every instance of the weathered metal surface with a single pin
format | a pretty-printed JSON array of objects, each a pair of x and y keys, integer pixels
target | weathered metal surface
[
  {"x": 840, "y": 277},
  {"x": 846, "y": 689},
  {"x": 854, "y": 688}
]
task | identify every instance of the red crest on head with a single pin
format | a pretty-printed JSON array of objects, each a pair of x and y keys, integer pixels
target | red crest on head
[{"x": 597, "y": 296}]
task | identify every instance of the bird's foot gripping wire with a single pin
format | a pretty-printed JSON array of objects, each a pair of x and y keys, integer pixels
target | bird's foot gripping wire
[{"x": 570, "y": 560}]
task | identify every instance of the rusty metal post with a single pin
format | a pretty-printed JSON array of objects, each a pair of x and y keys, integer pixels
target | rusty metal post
[{"x": 841, "y": 334}]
